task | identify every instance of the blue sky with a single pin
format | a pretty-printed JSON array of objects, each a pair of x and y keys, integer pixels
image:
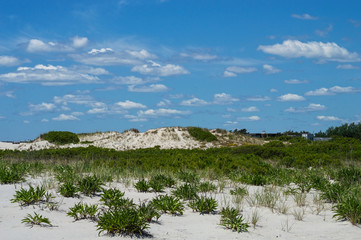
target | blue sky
[{"x": 86, "y": 66}]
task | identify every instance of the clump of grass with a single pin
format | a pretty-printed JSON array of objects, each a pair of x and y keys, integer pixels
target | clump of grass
[
  {"x": 36, "y": 219},
  {"x": 68, "y": 189},
  {"x": 113, "y": 198},
  {"x": 157, "y": 185},
  {"x": 240, "y": 191},
  {"x": 201, "y": 134},
  {"x": 164, "y": 180},
  {"x": 142, "y": 185},
  {"x": 89, "y": 185},
  {"x": 188, "y": 177},
  {"x": 282, "y": 207},
  {"x": 148, "y": 211},
  {"x": 268, "y": 197},
  {"x": 60, "y": 137},
  {"x": 207, "y": 187},
  {"x": 349, "y": 208},
  {"x": 124, "y": 221},
  {"x": 168, "y": 204},
  {"x": 232, "y": 219},
  {"x": 12, "y": 174},
  {"x": 204, "y": 205},
  {"x": 299, "y": 214},
  {"x": 186, "y": 192},
  {"x": 30, "y": 196},
  {"x": 83, "y": 211},
  {"x": 255, "y": 217},
  {"x": 300, "y": 199}
]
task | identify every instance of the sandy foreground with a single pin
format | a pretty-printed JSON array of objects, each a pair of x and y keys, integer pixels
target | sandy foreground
[{"x": 192, "y": 225}]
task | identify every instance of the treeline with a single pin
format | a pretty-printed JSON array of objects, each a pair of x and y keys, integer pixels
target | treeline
[{"x": 351, "y": 130}]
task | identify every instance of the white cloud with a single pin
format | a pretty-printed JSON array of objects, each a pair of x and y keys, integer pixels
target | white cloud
[
  {"x": 347, "y": 66},
  {"x": 258, "y": 99},
  {"x": 251, "y": 118},
  {"x": 332, "y": 91},
  {"x": 295, "y": 81},
  {"x": 324, "y": 51},
  {"x": 150, "y": 88},
  {"x": 193, "y": 102},
  {"x": 224, "y": 98},
  {"x": 250, "y": 109},
  {"x": 328, "y": 118},
  {"x": 129, "y": 105},
  {"x": 304, "y": 16},
  {"x": 142, "y": 54},
  {"x": 199, "y": 56},
  {"x": 90, "y": 70},
  {"x": 291, "y": 97},
  {"x": 9, "y": 94},
  {"x": 232, "y": 71},
  {"x": 133, "y": 118},
  {"x": 164, "y": 103},
  {"x": 162, "y": 112},
  {"x": 79, "y": 42},
  {"x": 269, "y": 69},
  {"x": 48, "y": 75},
  {"x": 79, "y": 100},
  {"x": 312, "y": 107},
  {"x": 26, "y": 121},
  {"x": 273, "y": 90},
  {"x": 36, "y": 45},
  {"x": 9, "y": 61},
  {"x": 46, "y": 107},
  {"x": 44, "y": 120},
  {"x": 95, "y": 51},
  {"x": 64, "y": 117},
  {"x": 153, "y": 68},
  {"x": 230, "y": 123}
]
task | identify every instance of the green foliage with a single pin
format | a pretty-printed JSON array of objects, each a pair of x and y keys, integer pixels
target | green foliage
[
  {"x": 349, "y": 207},
  {"x": 207, "y": 187},
  {"x": 68, "y": 189},
  {"x": 113, "y": 198},
  {"x": 83, "y": 211},
  {"x": 188, "y": 176},
  {"x": 167, "y": 181},
  {"x": 142, "y": 186},
  {"x": 156, "y": 184},
  {"x": 186, "y": 192},
  {"x": 148, "y": 211},
  {"x": 239, "y": 191},
  {"x": 60, "y": 137},
  {"x": 30, "y": 196},
  {"x": 124, "y": 221},
  {"x": 36, "y": 219},
  {"x": 89, "y": 185},
  {"x": 232, "y": 219},
  {"x": 169, "y": 204},
  {"x": 65, "y": 173},
  {"x": 12, "y": 174},
  {"x": 204, "y": 205},
  {"x": 201, "y": 134},
  {"x": 351, "y": 130}
]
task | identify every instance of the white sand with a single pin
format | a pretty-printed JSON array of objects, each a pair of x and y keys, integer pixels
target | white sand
[{"x": 191, "y": 225}]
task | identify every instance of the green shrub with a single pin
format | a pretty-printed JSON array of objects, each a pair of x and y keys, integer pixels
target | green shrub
[
  {"x": 148, "y": 211},
  {"x": 157, "y": 185},
  {"x": 188, "y": 177},
  {"x": 60, "y": 137},
  {"x": 207, "y": 187},
  {"x": 201, "y": 134},
  {"x": 89, "y": 185},
  {"x": 36, "y": 219},
  {"x": 125, "y": 221},
  {"x": 113, "y": 198},
  {"x": 68, "y": 189},
  {"x": 12, "y": 174},
  {"x": 83, "y": 211},
  {"x": 204, "y": 205},
  {"x": 232, "y": 219},
  {"x": 142, "y": 186},
  {"x": 239, "y": 191},
  {"x": 186, "y": 192},
  {"x": 349, "y": 207},
  {"x": 169, "y": 204},
  {"x": 30, "y": 196},
  {"x": 167, "y": 181}
]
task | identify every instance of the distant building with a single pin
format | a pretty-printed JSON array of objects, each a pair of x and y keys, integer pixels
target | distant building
[{"x": 308, "y": 136}]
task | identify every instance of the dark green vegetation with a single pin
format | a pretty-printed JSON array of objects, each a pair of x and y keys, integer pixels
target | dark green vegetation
[
  {"x": 36, "y": 219},
  {"x": 351, "y": 130},
  {"x": 201, "y": 134},
  {"x": 231, "y": 218},
  {"x": 86, "y": 169},
  {"x": 60, "y": 137}
]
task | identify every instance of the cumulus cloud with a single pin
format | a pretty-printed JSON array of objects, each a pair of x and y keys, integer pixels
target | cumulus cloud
[
  {"x": 146, "y": 88},
  {"x": 233, "y": 71},
  {"x": 193, "y": 102},
  {"x": 295, "y": 81},
  {"x": 329, "y": 118},
  {"x": 250, "y": 109},
  {"x": 291, "y": 98},
  {"x": 269, "y": 69},
  {"x": 153, "y": 68},
  {"x": 230, "y": 123},
  {"x": 42, "y": 107},
  {"x": 304, "y": 16},
  {"x": 9, "y": 61},
  {"x": 65, "y": 117},
  {"x": 312, "y": 107},
  {"x": 162, "y": 112},
  {"x": 95, "y": 51},
  {"x": 164, "y": 103},
  {"x": 332, "y": 91},
  {"x": 199, "y": 56},
  {"x": 324, "y": 32},
  {"x": 85, "y": 100},
  {"x": 324, "y": 51},
  {"x": 251, "y": 118},
  {"x": 347, "y": 67},
  {"x": 142, "y": 54},
  {"x": 48, "y": 75},
  {"x": 36, "y": 45},
  {"x": 79, "y": 42},
  {"x": 224, "y": 98},
  {"x": 130, "y": 105}
]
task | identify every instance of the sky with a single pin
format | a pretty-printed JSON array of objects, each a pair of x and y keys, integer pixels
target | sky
[{"x": 86, "y": 66}]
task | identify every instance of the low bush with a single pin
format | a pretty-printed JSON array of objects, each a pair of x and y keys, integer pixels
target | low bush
[
  {"x": 89, "y": 185},
  {"x": 30, "y": 196},
  {"x": 83, "y": 211},
  {"x": 68, "y": 189},
  {"x": 168, "y": 204},
  {"x": 201, "y": 134},
  {"x": 142, "y": 186},
  {"x": 60, "y": 137},
  {"x": 36, "y": 219},
  {"x": 349, "y": 208},
  {"x": 232, "y": 219},
  {"x": 188, "y": 177},
  {"x": 113, "y": 198},
  {"x": 148, "y": 211},
  {"x": 207, "y": 187},
  {"x": 12, "y": 174},
  {"x": 186, "y": 192},
  {"x": 204, "y": 205}
]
